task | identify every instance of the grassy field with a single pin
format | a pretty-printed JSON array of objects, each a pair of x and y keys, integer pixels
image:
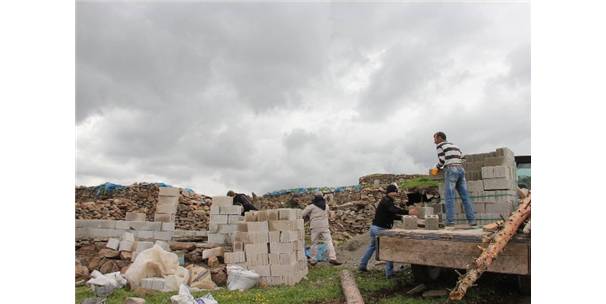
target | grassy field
[{"x": 323, "y": 286}]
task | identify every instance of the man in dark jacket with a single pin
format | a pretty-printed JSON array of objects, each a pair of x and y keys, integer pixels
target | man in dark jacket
[
  {"x": 242, "y": 200},
  {"x": 386, "y": 213}
]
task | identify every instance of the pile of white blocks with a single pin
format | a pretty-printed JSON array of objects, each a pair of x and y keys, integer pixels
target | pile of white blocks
[
  {"x": 272, "y": 244},
  {"x": 224, "y": 220}
]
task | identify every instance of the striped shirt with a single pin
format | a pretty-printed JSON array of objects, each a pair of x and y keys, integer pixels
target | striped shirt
[{"x": 448, "y": 154}]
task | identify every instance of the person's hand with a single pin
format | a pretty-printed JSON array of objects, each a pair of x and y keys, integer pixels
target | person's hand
[{"x": 413, "y": 211}]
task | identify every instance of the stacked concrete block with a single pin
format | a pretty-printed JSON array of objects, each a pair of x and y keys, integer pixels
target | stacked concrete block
[
  {"x": 432, "y": 222},
  {"x": 135, "y": 216},
  {"x": 272, "y": 245},
  {"x": 113, "y": 243},
  {"x": 491, "y": 184},
  {"x": 158, "y": 284},
  {"x": 410, "y": 222},
  {"x": 166, "y": 208},
  {"x": 225, "y": 220}
]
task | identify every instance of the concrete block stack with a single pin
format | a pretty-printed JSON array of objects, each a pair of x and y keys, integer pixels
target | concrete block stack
[
  {"x": 491, "y": 184},
  {"x": 272, "y": 244},
  {"x": 224, "y": 220},
  {"x": 166, "y": 208}
]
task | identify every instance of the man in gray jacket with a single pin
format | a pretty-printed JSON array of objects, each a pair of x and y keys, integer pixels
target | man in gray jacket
[{"x": 318, "y": 224}]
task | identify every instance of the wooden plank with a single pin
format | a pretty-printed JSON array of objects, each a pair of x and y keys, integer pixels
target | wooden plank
[{"x": 452, "y": 254}]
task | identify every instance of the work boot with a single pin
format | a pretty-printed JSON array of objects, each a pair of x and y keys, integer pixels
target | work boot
[
  {"x": 362, "y": 269},
  {"x": 312, "y": 262},
  {"x": 335, "y": 262}
]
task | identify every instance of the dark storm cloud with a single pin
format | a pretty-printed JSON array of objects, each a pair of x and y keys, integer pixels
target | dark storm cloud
[{"x": 267, "y": 96}]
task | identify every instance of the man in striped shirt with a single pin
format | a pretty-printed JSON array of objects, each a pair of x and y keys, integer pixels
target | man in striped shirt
[{"x": 450, "y": 161}]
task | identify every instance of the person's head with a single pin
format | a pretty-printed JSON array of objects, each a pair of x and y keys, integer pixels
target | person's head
[
  {"x": 392, "y": 190},
  {"x": 439, "y": 137},
  {"x": 231, "y": 193},
  {"x": 318, "y": 194}
]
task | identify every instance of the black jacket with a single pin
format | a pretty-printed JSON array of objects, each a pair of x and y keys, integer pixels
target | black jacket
[
  {"x": 244, "y": 201},
  {"x": 387, "y": 212}
]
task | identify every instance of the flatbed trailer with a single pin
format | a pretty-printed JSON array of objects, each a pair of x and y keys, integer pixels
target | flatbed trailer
[{"x": 430, "y": 251}]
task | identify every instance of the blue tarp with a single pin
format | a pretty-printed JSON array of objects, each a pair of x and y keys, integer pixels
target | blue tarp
[
  {"x": 322, "y": 252},
  {"x": 312, "y": 190},
  {"x": 107, "y": 188}
]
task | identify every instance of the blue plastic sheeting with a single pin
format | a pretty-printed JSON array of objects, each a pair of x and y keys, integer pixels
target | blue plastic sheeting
[
  {"x": 107, "y": 188},
  {"x": 163, "y": 185},
  {"x": 312, "y": 190},
  {"x": 322, "y": 252},
  {"x": 188, "y": 190}
]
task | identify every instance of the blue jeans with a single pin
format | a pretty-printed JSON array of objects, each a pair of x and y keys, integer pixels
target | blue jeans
[
  {"x": 454, "y": 178},
  {"x": 374, "y": 230}
]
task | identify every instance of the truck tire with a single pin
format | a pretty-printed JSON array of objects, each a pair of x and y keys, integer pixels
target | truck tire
[
  {"x": 524, "y": 284},
  {"x": 425, "y": 274}
]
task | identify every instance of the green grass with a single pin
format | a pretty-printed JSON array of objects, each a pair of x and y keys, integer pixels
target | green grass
[
  {"x": 323, "y": 286},
  {"x": 419, "y": 183}
]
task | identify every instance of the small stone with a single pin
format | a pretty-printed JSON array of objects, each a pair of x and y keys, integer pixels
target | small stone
[
  {"x": 213, "y": 262},
  {"x": 109, "y": 253},
  {"x": 134, "y": 301}
]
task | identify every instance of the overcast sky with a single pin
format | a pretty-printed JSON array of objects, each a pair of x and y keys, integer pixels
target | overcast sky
[{"x": 262, "y": 97}]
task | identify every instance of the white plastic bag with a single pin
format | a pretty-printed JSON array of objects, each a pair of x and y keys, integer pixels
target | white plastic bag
[
  {"x": 152, "y": 262},
  {"x": 184, "y": 296},
  {"x": 174, "y": 281},
  {"x": 239, "y": 278},
  {"x": 206, "y": 299},
  {"x": 104, "y": 284}
]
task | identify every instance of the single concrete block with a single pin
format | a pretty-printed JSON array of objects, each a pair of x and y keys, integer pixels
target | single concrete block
[
  {"x": 410, "y": 222},
  {"x": 163, "y": 235},
  {"x": 234, "y": 257},
  {"x": 213, "y": 252},
  {"x": 272, "y": 215},
  {"x": 218, "y": 219},
  {"x": 425, "y": 211},
  {"x": 113, "y": 243},
  {"x": 168, "y": 226},
  {"x": 262, "y": 270},
  {"x": 242, "y": 226},
  {"x": 139, "y": 225},
  {"x": 238, "y": 246},
  {"x": 216, "y": 238},
  {"x": 127, "y": 236},
  {"x": 257, "y": 248},
  {"x": 222, "y": 201},
  {"x": 164, "y": 217},
  {"x": 126, "y": 245},
  {"x": 288, "y": 258},
  {"x": 283, "y": 225},
  {"x": 274, "y": 236},
  {"x": 226, "y": 228},
  {"x": 213, "y": 228},
  {"x": 250, "y": 216},
  {"x": 168, "y": 191},
  {"x": 289, "y": 236},
  {"x": 233, "y": 209},
  {"x": 166, "y": 208},
  {"x": 101, "y": 224},
  {"x": 144, "y": 234},
  {"x": 82, "y": 233},
  {"x": 281, "y": 247},
  {"x": 234, "y": 219},
  {"x": 261, "y": 216},
  {"x": 163, "y": 244},
  {"x": 101, "y": 233},
  {"x": 258, "y": 237},
  {"x": 215, "y": 209},
  {"x": 158, "y": 284},
  {"x": 274, "y": 258},
  {"x": 301, "y": 255},
  {"x": 135, "y": 216},
  {"x": 256, "y": 259},
  {"x": 287, "y": 214},
  {"x": 432, "y": 222},
  {"x": 487, "y": 172},
  {"x": 257, "y": 226},
  {"x": 498, "y": 184},
  {"x": 240, "y": 236}
]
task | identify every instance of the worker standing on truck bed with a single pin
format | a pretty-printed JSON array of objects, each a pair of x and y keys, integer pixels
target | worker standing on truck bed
[
  {"x": 384, "y": 217},
  {"x": 450, "y": 160}
]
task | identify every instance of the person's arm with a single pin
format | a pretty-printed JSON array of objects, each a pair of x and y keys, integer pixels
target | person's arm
[
  {"x": 396, "y": 210},
  {"x": 441, "y": 157},
  {"x": 306, "y": 211}
]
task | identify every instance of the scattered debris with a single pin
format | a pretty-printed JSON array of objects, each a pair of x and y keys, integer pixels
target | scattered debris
[
  {"x": 134, "y": 301},
  {"x": 435, "y": 293},
  {"x": 417, "y": 289},
  {"x": 241, "y": 279},
  {"x": 104, "y": 284}
]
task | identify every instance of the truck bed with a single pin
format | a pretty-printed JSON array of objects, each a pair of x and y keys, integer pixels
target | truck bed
[{"x": 451, "y": 249}]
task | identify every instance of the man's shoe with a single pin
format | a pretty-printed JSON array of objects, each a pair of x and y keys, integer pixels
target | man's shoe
[
  {"x": 313, "y": 263},
  {"x": 362, "y": 269},
  {"x": 473, "y": 224},
  {"x": 335, "y": 262}
]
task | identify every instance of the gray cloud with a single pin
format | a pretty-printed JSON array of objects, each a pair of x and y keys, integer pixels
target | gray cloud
[{"x": 261, "y": 97}]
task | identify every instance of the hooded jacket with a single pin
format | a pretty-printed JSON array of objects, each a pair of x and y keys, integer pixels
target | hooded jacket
[{"x": 318, "y": 218}]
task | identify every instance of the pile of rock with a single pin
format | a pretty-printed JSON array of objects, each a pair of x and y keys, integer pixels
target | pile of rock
[{"x": 114, "y": 204}]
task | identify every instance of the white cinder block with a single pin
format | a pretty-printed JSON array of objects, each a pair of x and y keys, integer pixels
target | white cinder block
[
  {"x": 234, "y": 257},
  {"x": 234, "y": 219},
  {"x": 126, "y": 245},
  {"x": 257, "y": 226},
  {"x": 258, "y": 237},
  {"x": 255, "y": 248},
  {"x": 222, "y": 201},
  {"x": 216, "y": 238},
  {"x": 231, "y": 210},
  {"x": 113, "y": 243},
  {"x": 168, "y": 226},
  {"x": 289, "y": 236},
  {"x": 218, "y": 219}
]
